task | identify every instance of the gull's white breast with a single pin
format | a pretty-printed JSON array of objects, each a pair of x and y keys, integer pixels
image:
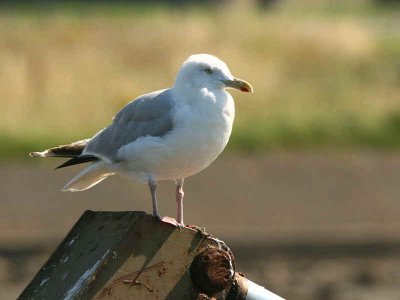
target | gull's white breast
[{"x": 201, "y": 131}]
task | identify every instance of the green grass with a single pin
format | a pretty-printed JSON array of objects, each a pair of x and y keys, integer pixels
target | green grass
[
  {"x": 339, "y": 134},
  {"x": 323, "y": 77}
]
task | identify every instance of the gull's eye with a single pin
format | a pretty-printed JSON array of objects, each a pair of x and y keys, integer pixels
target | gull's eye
[{"x": 208, "y": 70}]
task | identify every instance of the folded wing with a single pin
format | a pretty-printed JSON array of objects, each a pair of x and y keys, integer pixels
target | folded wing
[{"x": 149, "y": 115}]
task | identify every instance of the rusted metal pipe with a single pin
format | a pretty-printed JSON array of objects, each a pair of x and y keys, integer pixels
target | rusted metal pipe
[
  {"x": 212, "y": 271},
  {"x": 213, "y": 274}
]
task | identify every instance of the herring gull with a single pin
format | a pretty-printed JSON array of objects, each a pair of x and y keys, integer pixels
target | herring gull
[{"x": 164, "y": 135}]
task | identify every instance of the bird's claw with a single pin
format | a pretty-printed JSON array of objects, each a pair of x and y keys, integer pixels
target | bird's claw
[{"x": 172, "y": 221}]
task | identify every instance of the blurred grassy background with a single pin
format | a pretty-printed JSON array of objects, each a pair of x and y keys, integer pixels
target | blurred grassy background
[
  {"x": 326, "y": 73},
  {"x": 307, "y": 220}
]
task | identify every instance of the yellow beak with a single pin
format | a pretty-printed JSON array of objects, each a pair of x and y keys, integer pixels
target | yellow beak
[{"x": 239, "y": 84}]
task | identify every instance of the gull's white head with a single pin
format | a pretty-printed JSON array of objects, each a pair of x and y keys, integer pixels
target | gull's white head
[{"x": 207, "y": 71}]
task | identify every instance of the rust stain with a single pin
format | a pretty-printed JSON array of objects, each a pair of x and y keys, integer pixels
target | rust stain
[
  {"x": 162, "y": 270},
  {"x": 202, "y": 296},
  {"x": 132, "y": 279},
  {"x": 137, "y": 282},
  {"x": 212, "y": 271}
]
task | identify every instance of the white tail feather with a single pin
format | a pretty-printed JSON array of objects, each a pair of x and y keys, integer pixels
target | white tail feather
[
  {"x": 88, "y": 178},
  {"x": 44, "y": 153}
]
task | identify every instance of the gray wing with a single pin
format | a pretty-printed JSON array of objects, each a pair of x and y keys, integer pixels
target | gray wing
[{"x": 148, "y": 115}]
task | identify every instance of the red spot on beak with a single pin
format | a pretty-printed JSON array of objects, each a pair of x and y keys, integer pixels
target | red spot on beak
[{"x": 244, "y": 89}]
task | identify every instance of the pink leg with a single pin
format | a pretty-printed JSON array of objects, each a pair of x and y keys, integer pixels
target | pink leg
[{"x": 179, "y": 200}]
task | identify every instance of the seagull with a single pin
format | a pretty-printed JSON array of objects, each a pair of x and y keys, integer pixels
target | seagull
[{"x": 168, "y": 134}]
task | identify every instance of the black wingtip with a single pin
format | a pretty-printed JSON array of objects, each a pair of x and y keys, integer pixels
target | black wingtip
[{"x": 77, "y": 160}]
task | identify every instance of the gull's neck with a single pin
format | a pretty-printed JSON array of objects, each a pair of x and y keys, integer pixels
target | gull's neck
[{"x": 194, "y": 96}]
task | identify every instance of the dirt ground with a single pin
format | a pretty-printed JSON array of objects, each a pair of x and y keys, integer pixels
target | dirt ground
[{"x": 308, "y": 226}]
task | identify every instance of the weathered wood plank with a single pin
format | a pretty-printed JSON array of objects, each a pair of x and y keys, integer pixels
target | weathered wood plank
[{"x": 120, "y": 255}]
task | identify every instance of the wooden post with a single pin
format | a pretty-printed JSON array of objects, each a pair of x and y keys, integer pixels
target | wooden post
[{"x": 131, "y": 255}]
